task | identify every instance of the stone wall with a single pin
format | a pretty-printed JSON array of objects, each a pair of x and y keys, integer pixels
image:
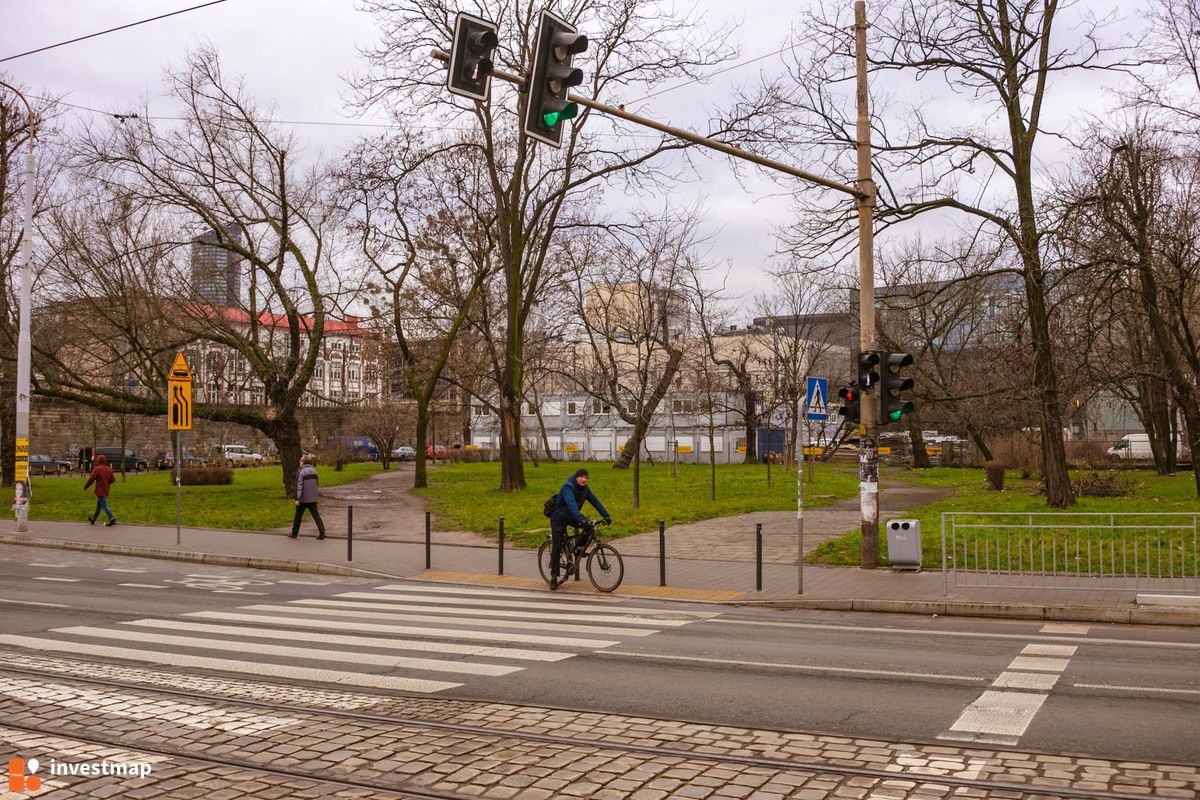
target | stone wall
[{"x": 60, "y": 428}]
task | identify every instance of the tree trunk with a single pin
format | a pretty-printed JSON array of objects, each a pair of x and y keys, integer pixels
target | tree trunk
[
  {"x": 712, "y": 457},
  {"x": 512, "y": 470},
  {"x": 977, "y": 438},
  {"x": 920, "y": 454},
  {"x": 1059, "y": 493},
  {"x": 420, "y": 469},
  {"x": 286, "y": 437},
  {"x": 751, "y": 428},
  {"x": 637, "y": 477}
]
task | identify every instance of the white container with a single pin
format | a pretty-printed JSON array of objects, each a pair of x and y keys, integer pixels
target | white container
[{"x": 904, "y": 544}]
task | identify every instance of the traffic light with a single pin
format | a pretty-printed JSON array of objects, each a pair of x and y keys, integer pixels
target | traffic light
[
  {"x": 546, "y": 106},
  {"x": 892, "y": 387},
  {"x": 868, "y": 376},
  {"x": 471, "y": 64},
  {"x": 851, "y": 409}
]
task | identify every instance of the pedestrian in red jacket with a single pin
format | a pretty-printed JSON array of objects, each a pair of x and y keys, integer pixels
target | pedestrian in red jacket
[{"x": 102, "y": 475}]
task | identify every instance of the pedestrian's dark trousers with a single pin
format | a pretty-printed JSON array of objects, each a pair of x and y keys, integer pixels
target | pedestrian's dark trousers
[
  {"x": 312, "y": 509},
  {"x": 559, "y": 538}
]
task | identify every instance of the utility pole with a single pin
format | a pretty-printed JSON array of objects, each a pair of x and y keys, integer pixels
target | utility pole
[
  {"x": 21, "y": 493},
  {"x": 864, "y": 201}
]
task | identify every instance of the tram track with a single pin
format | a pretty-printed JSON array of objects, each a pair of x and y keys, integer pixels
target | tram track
[{"x": 602, "y": 745}]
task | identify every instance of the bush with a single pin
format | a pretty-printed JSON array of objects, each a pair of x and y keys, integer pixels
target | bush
[
  {"x": 206, "y": 476},
  {"x": 1108, "y": 483},
  {"x": 995, "y": 475},
  {"x": 1021, "y": 450},
  {"x": 338, "y": 455}
]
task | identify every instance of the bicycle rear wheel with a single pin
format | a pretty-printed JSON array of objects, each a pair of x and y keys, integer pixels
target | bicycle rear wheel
[
  {"x": 544, "y": 560},
  {"x": 605, "y": 568}
]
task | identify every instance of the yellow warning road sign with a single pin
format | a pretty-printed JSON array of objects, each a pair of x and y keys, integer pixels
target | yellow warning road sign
[{"x": 179, "y": 395}]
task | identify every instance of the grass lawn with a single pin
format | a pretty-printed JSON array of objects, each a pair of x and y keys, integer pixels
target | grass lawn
[
  {"x": 465, "y": 497},
  {"x": 254, "y": 501},
  {"x": 1149, "y": 493}
]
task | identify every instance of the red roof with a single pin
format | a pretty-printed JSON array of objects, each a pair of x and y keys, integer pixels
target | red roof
[{"x": 349, "y": 326}]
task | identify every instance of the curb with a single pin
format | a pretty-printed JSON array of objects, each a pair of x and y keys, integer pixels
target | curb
[
  {"x": 949, "y": 608},
  {"x": 215, "y": 559}
]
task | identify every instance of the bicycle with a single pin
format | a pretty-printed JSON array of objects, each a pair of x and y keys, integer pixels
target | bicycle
[{"x": 605, "y": 568}]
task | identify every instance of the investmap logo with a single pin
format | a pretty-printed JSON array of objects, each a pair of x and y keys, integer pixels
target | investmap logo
[
  {"x": 23, "y": 773},
  {"x": 21, "y": 777}
]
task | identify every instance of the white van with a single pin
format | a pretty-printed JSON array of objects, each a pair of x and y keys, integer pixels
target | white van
[{"x": 1136, "y": 447}]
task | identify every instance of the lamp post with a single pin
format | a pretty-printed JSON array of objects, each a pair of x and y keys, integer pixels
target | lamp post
[{"x": 21, "y": 489}]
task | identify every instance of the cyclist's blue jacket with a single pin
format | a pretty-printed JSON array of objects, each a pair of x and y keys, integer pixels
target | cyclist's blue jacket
[{"x": 572, "y": 496}]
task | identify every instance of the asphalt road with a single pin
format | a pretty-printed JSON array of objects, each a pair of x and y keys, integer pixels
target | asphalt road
[{"x": 1109, "y": 691}]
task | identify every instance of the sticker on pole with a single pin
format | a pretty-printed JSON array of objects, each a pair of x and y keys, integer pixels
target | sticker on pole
[{"x": 816, "y": 399}]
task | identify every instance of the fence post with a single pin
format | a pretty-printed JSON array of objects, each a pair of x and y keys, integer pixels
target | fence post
[
  {"x": 350, "y": 533},
  {"x": 428, "y": 549},
  {"x": 758, "y": 557},
  {"x": 501, "y": 572},
  {"x": 662, "y": 553},
  {"x": 945, "y": 574}
]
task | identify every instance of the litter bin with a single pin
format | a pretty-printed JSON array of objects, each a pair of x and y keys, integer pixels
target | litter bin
[{"x": 904, "y": 544}]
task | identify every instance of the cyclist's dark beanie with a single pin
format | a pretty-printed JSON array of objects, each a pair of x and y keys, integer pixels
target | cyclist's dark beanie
[{"x": 580, "y": 473}]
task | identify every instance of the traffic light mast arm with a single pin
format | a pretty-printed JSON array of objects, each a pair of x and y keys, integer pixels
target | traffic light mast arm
[{"x": 680, "y": 133}]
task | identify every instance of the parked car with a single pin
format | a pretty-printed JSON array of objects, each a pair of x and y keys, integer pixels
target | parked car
[
  {"x": 163, "y": 459},
  {"x": 117, "y": 457},
  {"x": 238, "y": 455},
  {"x": 41, "y": 464},
  {"x": 404, "y": 453},
  {"x": 359, "y": 447},
  {"x": 436, "y": 451}
]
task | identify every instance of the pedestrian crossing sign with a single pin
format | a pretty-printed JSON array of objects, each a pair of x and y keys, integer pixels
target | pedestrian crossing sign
[{"x": 816, "y": 399}]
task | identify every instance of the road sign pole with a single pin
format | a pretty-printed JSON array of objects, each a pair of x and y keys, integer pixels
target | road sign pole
[
  {"x": 178, "y": 490},
  {"x": 179, "y": 419},
  {"x": 800, "y": 499}
]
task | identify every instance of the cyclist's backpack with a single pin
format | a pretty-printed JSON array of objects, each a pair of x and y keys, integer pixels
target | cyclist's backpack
[{"x": 550, "y": 505}]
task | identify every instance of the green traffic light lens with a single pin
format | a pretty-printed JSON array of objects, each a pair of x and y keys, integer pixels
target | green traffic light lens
[
  {"x": 569, "y": 111},
  {"x": 895, "y": 416}
]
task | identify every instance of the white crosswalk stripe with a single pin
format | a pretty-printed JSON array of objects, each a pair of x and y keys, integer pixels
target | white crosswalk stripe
[{"x": 418, "y": 638}]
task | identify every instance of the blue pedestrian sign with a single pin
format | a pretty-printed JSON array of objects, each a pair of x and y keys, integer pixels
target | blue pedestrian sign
[{"x": 816, "y": 399}]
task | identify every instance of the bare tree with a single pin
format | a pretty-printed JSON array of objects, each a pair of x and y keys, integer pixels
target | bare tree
[
  {"x": 227, "y": 173},
  {"x": 634, "y": 288},
  {"x": 634, "y": 47},
  {"x": 999, "y": 57},
  {"x": 430, "y": 251}
]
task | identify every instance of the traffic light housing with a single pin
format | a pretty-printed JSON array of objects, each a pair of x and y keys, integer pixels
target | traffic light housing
[
  {"x": 851, "y": 410},
  {"x": 868, "y": 375},
  {"x": 471, "y": 64},
  {"x": 546, "y": 105},
  {"x": 893, "y": 386}
]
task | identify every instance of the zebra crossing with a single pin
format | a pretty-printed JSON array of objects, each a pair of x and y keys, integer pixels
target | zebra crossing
[{"x": 420, "y": 638}]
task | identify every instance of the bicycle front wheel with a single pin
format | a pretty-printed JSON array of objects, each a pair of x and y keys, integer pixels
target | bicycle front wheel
[{"x": 605, "y": 568}]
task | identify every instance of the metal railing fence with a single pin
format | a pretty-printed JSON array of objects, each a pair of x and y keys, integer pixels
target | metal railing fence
[{"x": 1076, "y": 550}]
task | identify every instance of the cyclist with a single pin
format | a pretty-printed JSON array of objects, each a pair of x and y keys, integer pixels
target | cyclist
[{"x": 571, "y": 498}]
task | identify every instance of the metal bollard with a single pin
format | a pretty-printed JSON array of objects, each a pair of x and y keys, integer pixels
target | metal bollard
[
  {"x": 662, "y": 553},
  {"x": 428, "y": 543},
  {"x": 758, "y": 557},
  {"x": 501, "y": 572},
  {"x": 350, "y": 533}
]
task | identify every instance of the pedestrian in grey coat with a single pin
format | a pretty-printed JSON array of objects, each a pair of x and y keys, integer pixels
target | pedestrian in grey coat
[{"x": 306, "y": 497}]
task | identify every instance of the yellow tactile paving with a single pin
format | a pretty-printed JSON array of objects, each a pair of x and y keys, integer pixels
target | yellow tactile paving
[{"x": 582, "y": 587}]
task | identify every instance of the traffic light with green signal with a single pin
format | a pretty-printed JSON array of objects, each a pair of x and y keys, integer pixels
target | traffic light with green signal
[
  {"x": 894, "y": 385},
  {"x": 851, "y": 410},
  {"x": 546, "y": 104},
  {"x": 471, "y": 62}
]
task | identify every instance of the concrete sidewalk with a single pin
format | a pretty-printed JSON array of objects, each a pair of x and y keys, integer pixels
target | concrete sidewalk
[{"x": 687, "y": 578}]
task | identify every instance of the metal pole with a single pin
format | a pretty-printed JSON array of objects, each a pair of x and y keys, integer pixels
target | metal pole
[
  {"x": 428, "y": 543},
  {"x": 868, "y": 456},
  {"x": 501, "y": 538},
  {"x": 23, "y": 341},
  {"x": 178, "y": 484},
  {"x": 350, "y": 533},
  {"x": 800, "y": 505},
  {"x": 662, "y": 553},
  {"x": 679, "y": 133},
  {"x": 758, "y": 556}
]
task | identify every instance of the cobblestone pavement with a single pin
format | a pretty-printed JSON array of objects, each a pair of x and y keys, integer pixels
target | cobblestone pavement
[{"x": 224, "y": 747}]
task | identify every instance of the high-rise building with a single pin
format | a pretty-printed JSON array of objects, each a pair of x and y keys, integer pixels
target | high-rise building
[{"x": 216, "y": 271}]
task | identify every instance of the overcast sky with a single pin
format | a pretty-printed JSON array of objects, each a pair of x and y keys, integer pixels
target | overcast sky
[{"x": 295, "y": 54}]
